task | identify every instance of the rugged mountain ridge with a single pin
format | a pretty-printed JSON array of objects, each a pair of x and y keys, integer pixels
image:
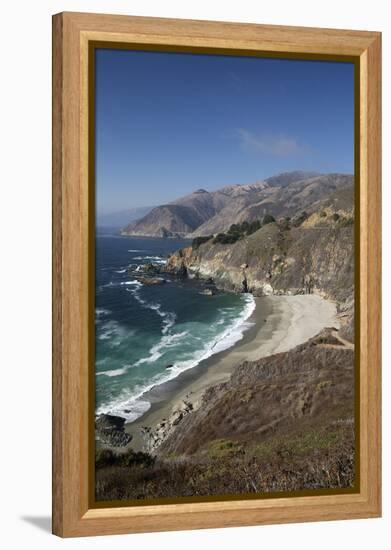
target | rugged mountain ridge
[{"x": 205, "y": 213}]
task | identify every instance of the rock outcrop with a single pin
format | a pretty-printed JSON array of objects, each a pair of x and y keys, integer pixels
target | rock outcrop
[
  {"x": 279, "y": 260},
  {"x": 110, "y": 430},
  {"x": 154, "y": 436}
]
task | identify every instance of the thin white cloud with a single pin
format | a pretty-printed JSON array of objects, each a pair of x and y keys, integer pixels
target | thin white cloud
[{"x": 279, "y": 146}]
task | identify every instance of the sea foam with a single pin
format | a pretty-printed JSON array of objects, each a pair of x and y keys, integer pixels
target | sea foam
[{"x": 133, "y": 404}]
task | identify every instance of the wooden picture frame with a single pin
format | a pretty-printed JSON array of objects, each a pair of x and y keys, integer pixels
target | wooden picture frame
[{"x": 73, "y": 240}]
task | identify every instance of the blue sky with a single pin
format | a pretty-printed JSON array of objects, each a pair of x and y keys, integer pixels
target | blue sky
[{"x": 168, "y": 124}]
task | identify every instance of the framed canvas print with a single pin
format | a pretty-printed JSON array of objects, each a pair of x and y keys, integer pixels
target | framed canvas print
[{"x": 216, "y": 295}]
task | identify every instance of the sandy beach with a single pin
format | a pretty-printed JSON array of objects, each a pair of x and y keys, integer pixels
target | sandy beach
[{"x": 278, "y": 324}]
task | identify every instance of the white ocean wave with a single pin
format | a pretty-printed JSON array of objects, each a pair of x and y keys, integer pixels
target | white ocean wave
[
  {"x": 114, "y": 333},
  {"x": 134, "y": 282},
  {"x": 101, "y": 312},
  {"x": 225, "y": 340},
  {"x": 114, "y": 372},
  {"x": 148, "y": 258},
  {"x": 168, "y": 317},
  {"x": 131, "y": 404},
  {"x": 127, "y": 406},
  {"x": 113, "y": 284},
  {"x": 154, "y": 259},
  {"x": 168, "y": 341}
]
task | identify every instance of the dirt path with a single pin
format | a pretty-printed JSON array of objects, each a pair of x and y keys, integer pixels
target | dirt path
[{"x": 344, "y": 343}]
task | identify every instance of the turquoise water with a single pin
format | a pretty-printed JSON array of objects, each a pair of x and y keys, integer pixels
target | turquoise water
[{"x": 146, "y": 335}]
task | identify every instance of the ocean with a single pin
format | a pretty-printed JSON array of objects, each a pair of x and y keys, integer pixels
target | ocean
[{"x": 147, "y": 335}]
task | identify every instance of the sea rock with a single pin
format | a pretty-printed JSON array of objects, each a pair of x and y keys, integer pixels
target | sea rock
[
  {"x": 109, "y": 421},
  {"x": 109, "y": 430},
  {"x": 149, "y": 268},
  {"x": 151, "y": 281},
  {"x": 207, "y": 292}
]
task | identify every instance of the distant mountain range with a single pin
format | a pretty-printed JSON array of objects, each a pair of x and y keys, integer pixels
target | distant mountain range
[
  {"x": 123, "y": 217},
  {"x": 206, "y": 213}
]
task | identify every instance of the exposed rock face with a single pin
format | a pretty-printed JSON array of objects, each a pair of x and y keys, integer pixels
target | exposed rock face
[
  {"x": 154, "y": 437},
  {"x": 109, "y": 429},
  {"x": 274, "y": 261},
  {"x": 205, "y": 213},
  {"x": 311, "y": 258}
]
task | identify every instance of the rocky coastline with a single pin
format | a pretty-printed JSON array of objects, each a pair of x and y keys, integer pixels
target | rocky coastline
[
  {"x": 270, "y": 262},
  {"x": 279, "y": 260},
  {"x": 279, "y": 409},
  {"x": 110, "y": 431}
]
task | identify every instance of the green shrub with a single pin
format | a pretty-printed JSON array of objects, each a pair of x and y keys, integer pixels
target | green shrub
[
  {"x": 105, "y": 457},
  {"x": 225, "y": 238},
  {"x": 268, "y": 218},
  {"x": 298, "y": 220},
  {"x": 239, "y": 231},
  {"x": 198, "y": 241},
  {"x": 345, "y": 222},
  {"x": 235, "y": 228},
  {"x": 285, "y": 223},
  {"x": 254, "y": 226},
  {"x": 130, "y": 458}
]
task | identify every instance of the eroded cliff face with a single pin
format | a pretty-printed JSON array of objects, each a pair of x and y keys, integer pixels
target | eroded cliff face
[{"x": 277, "y": 260}]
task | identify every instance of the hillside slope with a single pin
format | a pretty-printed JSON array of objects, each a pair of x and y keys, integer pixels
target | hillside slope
[
  {"x": 283, "y": 423},
  {"x": 314, "y": 382},
  {"x": 280, "y": 197},
  {"x": 205, "y": 213}
]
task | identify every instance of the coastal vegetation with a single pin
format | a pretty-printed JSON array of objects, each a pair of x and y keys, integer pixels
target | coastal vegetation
[
  {"x": 198, "y": 241},
  {"x": 285, "y": 422},
  {"x": 233, "y": 471},
  {"x": 239, "y": 231},
  {"x": 282, "y": 423}
]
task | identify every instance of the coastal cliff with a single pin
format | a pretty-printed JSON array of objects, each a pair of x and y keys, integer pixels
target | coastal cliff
[
  {"x": 279, "y": 258},
  {"x": 282, "y": 421}
]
